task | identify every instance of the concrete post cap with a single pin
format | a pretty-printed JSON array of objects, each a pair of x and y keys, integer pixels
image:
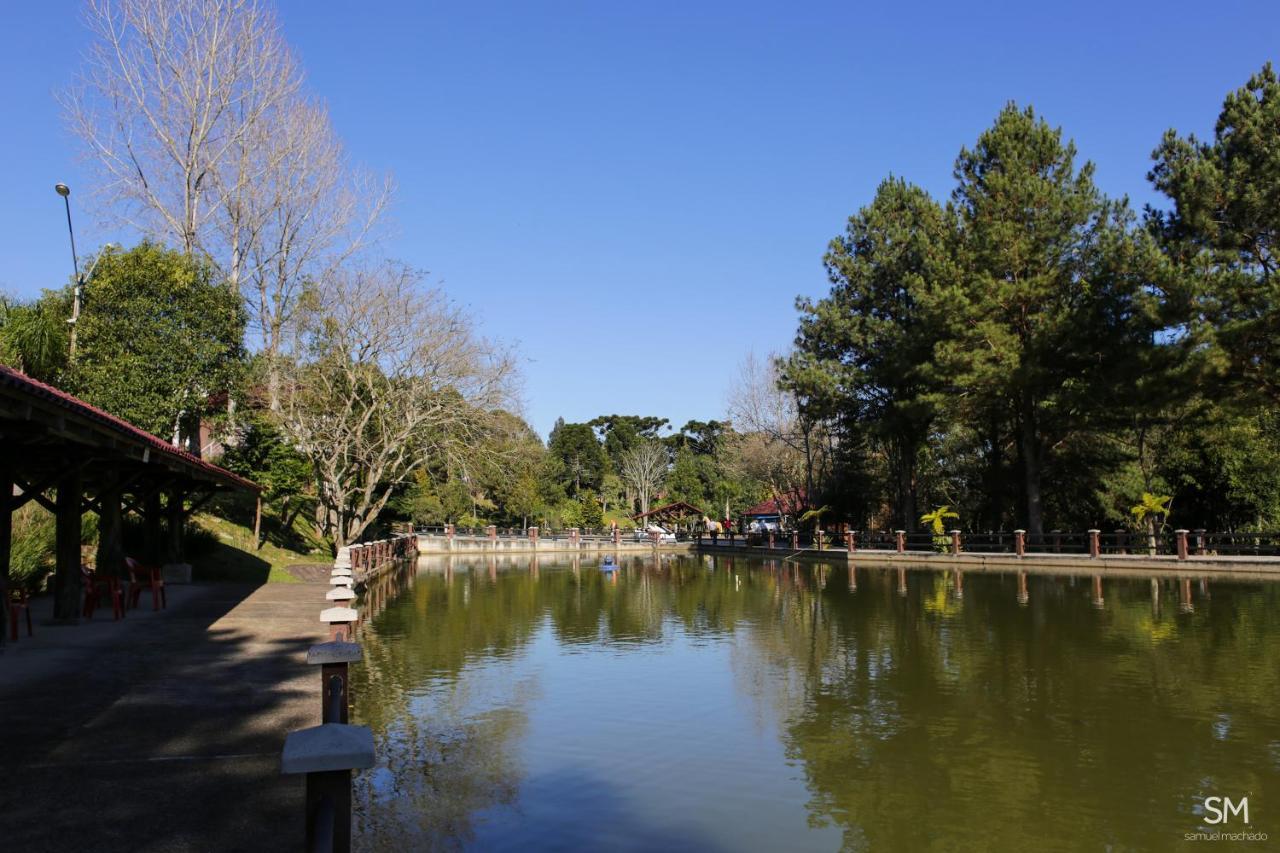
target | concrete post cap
[
  {"x": 1019, "y": 531},
  {"x": 1182, "y": 531},
  {"x": 339, "y": 614},
  {"x": 341, "y": 573},
  {"x": 331, "y": 746},
  {"x": 340, "y": 593},
  {"x": 1091, "y": 530},
  {"x": 342, "y": 564},
  {"x": 340, "y": 581},
  {"x": 334, "y": 652}
]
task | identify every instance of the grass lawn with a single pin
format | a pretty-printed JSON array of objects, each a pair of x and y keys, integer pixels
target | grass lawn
[{"x": 232, "y": 556}]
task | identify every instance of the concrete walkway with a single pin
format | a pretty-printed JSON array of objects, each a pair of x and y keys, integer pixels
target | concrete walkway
[{"x": 162, "y": 731}]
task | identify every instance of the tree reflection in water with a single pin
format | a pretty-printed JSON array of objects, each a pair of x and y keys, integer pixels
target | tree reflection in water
[{"x": 922, "y": 709}]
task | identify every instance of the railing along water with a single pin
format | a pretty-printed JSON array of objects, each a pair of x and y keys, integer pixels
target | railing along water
[{"x": 329, "y": 753}]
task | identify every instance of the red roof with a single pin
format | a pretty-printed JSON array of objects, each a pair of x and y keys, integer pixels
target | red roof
[
  {"x": 11, "y": 378},
  {"x": 788, "y": 505}
]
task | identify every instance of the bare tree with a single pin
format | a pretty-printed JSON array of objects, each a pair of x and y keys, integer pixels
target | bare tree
[
  {"x": 776, "y": 443},
  {"x": 388, "y": 376},
  {"x": 643, "y": 468},
  {"x": 307, "y": 213},
  {"x": 169, "y": 91}
]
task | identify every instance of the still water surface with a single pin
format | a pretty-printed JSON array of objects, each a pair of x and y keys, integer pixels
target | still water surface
[{"x": 702, "y": 703}]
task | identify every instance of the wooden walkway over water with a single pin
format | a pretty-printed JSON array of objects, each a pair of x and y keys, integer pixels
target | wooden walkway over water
[{"x": 162, "y": 731}]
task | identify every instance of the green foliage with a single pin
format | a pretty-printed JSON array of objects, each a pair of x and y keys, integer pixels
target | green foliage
[
  {"x": 261, "y": 454},
  {"x": 1222, "y": 231},
  {"x": 864, "y": 353},
  {"x": 937, "y": 519},
  {"x": 579, "y": 456},
  {"x": 34, "y": 336},
  {"x": 160, "y": 338},
  {"x": 32, "y": 550},
  {"x": 1151, "y": 508}
]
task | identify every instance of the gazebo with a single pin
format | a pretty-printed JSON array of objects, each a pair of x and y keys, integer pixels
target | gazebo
[
  {"x": 672, "y": 513},
  {"x": 93, "y": 461}
]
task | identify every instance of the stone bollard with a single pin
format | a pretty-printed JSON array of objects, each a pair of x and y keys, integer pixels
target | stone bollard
[
  {"x": 492, "y": 532},
  {"x": 850, "y": 541},
  {"x": 1182, "y": 543},
  {"x": 1095, "y": 544},
  {"x": 955, "y": 542},
  {"x": 902, "y": 541},
  {"x": 341, "y": 621},
  {"x": 533, "y": 536},
  {"x": 327, "y": 754},
  {"x": 1020, "y": 543},
  {"x": 340, "y": 594}
]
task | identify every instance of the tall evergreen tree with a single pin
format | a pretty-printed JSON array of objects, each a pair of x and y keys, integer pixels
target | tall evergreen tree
[
  {"x": 1223, "y": 230},
  {"x": 867, "y": 348},
  {"x": 1056, "y": 300}
]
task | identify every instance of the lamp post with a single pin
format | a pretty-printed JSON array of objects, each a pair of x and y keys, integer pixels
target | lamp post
[{"x": 65, "y": 191}]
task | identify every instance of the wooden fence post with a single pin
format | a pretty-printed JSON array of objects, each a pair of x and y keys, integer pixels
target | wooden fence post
[
  {"x": 955, "y": 542},
  {"x": 1020, "y": 543},
  {"x": 850, "y": 541},
  {"x": 1095, "y": 543},
  {"x": 902, "y": 541},
  {"x": 1182, "y": 543}
]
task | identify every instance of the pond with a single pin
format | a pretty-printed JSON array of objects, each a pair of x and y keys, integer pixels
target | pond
[{"x": 718, "y": 703}]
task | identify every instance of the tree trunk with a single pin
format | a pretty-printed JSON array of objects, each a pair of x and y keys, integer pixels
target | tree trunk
[{"x": 1030, "y": 443}]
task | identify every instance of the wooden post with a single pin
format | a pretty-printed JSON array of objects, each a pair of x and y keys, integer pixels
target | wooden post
[
  {"x": 327, "y": 754},
  {"x": 177, "y": 519},
  {"x": 1020, "y": 543},
  {"x": 850, "y": 541},
  {"x": 955, "y": 542},
  {"x": 1182, "y": 543},
  {"x": 110, "y": 559},
  {"x": 6, "y": 545},
  {"x": 257, "y": 523},
  {"x": 1095, "y": 544},
  {"x": 902, "y": 541},
  {"x": 152, "y": 548},
  {"x": 533, "y": 536},
  {"x": 66, "y": 577},
  {"x": 492, "y": 531},
  {"x": 617, "y": 536}
]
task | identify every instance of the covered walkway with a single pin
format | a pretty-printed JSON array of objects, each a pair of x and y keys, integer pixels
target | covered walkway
[{"x": 74, "y": 458}]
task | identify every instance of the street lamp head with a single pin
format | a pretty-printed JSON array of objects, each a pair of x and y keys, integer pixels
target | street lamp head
[{"x": 62, "y": 190}]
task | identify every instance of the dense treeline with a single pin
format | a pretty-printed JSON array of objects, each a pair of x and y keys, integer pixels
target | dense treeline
[{"x": 1034, "y": 353}]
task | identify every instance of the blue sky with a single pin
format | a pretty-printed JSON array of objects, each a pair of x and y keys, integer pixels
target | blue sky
[{"x": 635, "y": 193}]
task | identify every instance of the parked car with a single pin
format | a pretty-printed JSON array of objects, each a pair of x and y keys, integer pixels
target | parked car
[{"x": 646, "y": 534}]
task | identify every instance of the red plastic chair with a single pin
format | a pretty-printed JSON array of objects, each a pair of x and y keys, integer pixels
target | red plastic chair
[
  {"x": 145, "y": 578},
  {"x": 18, "y": 602},
  {"x": 95, "y": 587}
]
